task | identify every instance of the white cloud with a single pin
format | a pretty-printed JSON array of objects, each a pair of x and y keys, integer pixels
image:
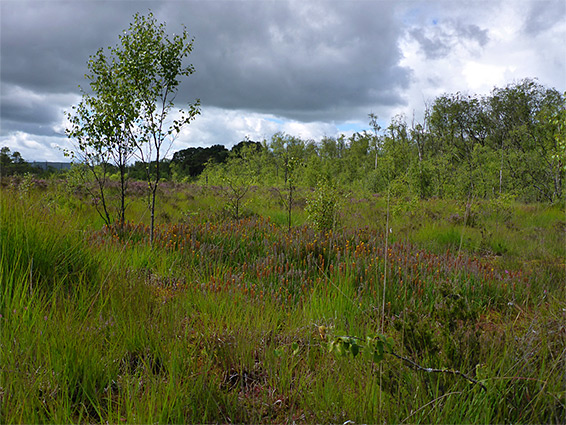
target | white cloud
[
  {"x": 306, "y": 68},
  {"x": 36, "y": 148},
  {"x": 459, "y": 62},
  {"x": 229, "y": 127},
  {"x": 64, "y": 124},
  {"x": 213, "y": 126},
  {"x": 482, "y": 77}
]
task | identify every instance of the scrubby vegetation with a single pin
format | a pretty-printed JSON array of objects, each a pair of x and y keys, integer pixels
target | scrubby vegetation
[
  {"x": 400, "y": 311},
  {"x": 413, "y": 274}
]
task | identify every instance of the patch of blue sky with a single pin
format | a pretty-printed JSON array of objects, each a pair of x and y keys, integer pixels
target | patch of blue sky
[
  {"x": 351, "y": 127},
  {"x": 417, "y": 16},
  {"x": 275, "y": 120},
  {"x": 412, "y": 16}
]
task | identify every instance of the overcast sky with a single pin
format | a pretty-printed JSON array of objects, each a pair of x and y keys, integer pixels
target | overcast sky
[{"x": 308, "y": 68}]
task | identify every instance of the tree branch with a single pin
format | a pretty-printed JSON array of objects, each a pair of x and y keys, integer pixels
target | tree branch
[{"x": 432, "y": 370}]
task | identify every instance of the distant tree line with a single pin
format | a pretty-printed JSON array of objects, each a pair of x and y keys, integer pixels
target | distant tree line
[
  {"x": 188, "y": 164},
  {"x": 12, "y": 163},
  {"x": 510, "y": 142}
]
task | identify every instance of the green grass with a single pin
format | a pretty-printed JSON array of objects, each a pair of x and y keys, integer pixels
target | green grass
[{"x": 230, "y": 321}]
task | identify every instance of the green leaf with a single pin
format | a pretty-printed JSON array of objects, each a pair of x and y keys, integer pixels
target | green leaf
[
  {"x": 354, "y": 349},
  {"x": 378, "y": 353},
  {"x": 389, "y": 343}
]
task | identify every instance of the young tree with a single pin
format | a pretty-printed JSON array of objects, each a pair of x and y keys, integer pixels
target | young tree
[
  {"x": 324, "y": 205},
  {"x": 103, "y": 125},
  {"x": 153, "y": 65},
  {"x": 284, "y": 147},
  {"x": 332, "y": 154},
  {"x": 376, "y": 143},
  {"x": 236, "y": 177},
  {"x": 134, "y": 89},
  {"x": 291, "y": 165},
  {"x": 524, "y": 129},
  {"x": 91, "y": 150}
]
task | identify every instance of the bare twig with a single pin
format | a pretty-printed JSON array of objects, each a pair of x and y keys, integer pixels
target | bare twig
[{"x": 432, "y": 370}]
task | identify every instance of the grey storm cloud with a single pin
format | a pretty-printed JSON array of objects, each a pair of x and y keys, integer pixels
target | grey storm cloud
[
  {"x": 19, "y": 106},
  {"x": 323, "y": 63},
  {"x": 46, "y": 45},
  {"x": 24, "y": 110},
  {"x": 300, "y": 60},
  {"x": 543, "y": 15},
  {"x": 438, "y": 41}
]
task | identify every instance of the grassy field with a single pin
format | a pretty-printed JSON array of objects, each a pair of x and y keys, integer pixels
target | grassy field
[{"x": 409, "y": 312}]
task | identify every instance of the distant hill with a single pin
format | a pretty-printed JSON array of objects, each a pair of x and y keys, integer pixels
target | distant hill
[{"x": 45, "y": 165}]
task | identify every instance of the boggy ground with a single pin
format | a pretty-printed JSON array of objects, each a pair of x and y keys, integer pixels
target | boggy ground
[{"x": 224, "y": 320}]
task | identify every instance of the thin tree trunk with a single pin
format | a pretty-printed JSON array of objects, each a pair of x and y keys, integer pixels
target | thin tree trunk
[
  {"x": 290, "y": 204},
  {"x": 122, "y": 165},
  {"x": 153, "y": 197}
]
